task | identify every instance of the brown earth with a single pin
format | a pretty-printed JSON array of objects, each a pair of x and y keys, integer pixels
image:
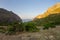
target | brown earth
[{"x": 51, "y": 34}]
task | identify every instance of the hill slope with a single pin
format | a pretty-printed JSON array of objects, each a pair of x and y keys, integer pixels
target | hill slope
[
  {"x": 8, "y": 17},
  {"x": 52, "y": 10}
]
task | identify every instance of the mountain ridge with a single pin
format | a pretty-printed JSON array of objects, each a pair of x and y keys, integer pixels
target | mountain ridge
[
  {"x": 7, "y": 17},
  {"x": 52, "y": 10}
]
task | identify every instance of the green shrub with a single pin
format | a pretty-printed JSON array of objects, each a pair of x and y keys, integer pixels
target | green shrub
[
  {"x": 10, "y": 30},
  {"x": 48, "y": 25},
  {"x": 2, "y": 30},
  {"x": 31, "y": 27},
  {"x": 20, "y": 27}
]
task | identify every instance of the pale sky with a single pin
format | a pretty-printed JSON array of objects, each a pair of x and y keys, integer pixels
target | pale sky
[{"x": 27, "y": 9}]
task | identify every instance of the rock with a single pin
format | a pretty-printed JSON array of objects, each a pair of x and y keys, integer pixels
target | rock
[{"x": 8, "y": 17}]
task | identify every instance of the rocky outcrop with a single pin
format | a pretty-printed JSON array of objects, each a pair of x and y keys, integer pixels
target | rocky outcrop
[{"x": 8, "y": 16}]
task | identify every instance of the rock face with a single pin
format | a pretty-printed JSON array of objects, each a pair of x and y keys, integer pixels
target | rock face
[
  {"x": 52, "y": 10},
  {"x": 8, "y": 16}
]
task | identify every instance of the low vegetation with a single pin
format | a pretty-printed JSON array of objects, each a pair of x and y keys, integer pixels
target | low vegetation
[
  {"x": 31, "y": 27},
  {"x": 49, "y": 22},
  {"x": 20, "y": 27}
]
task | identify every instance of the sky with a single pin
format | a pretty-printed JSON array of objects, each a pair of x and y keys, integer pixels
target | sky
[{"x": 27, "y": 9}]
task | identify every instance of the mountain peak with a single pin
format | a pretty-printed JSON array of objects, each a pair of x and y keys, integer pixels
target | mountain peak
[
  {"x": 57, "y": 5},
  {"x": 52, "y": 10}
]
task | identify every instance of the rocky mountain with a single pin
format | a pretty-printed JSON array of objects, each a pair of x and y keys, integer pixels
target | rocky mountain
[
  {"x": 8, "y": 16},
  {"x": 52, "y": 10}
]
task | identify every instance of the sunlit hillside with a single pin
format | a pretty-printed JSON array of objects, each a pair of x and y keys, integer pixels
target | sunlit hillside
[{"x": 52, "y": 10}]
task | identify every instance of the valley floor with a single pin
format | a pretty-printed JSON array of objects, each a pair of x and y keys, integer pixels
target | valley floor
[{"x": 51, "y": 34}]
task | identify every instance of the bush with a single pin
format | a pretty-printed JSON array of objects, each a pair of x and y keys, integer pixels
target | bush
[
  {"x": 31, "y": 27},
  {"x": 48, "y": 25},
  {"x": 10, "y": 30},
  {"x": 15, "y": 27},
  {"x": 20, "y": 27},
  {"x": 2, "y": 30}
]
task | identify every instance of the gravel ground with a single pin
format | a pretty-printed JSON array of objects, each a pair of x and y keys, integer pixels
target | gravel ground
[{"x": 51, "y": 34}]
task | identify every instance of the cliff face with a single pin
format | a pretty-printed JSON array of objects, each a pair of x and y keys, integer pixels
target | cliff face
[
  {"x": 52, "y": 10},
  {"x": 8, "y": 16}
]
